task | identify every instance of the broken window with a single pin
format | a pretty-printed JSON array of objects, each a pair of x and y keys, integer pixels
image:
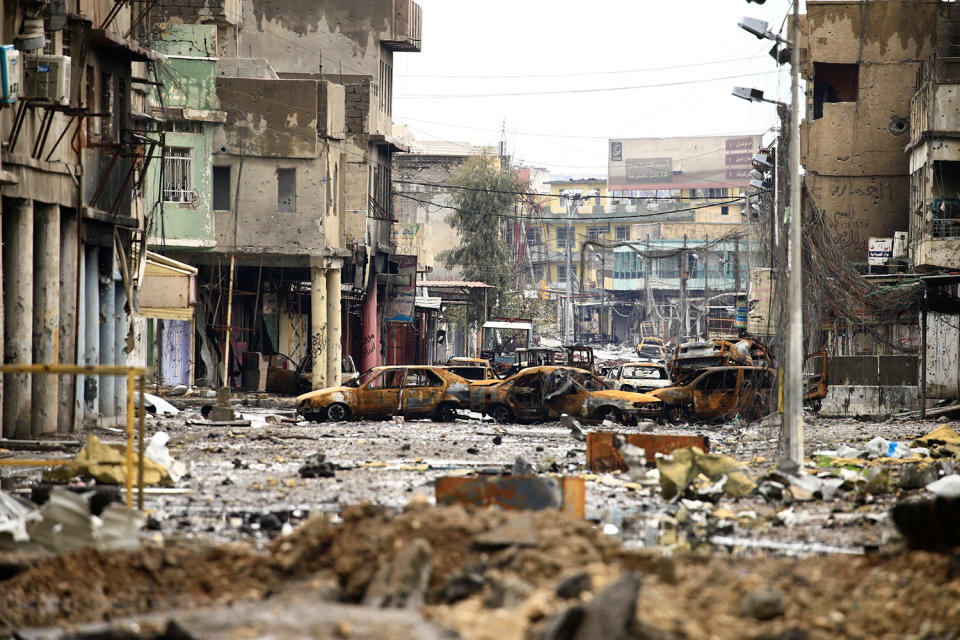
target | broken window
[
  {"x": 534, "y": 239},
  {"x": 221, "y": 188},
  {"x": 391, "y": 379},
  {"x": 946, "y": 198},
  {"x": 719, "y": 380},
  {"x": 106, "y": 106},
  {"x": 423, "y": 378},
  {"x": 178, "y": 174},
  {"x": 287, "y": 190},
  {"x": 834, "y": 82}
]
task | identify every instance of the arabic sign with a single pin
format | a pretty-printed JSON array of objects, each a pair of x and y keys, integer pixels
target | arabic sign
[
  {"x": 879, "y": 251},
  {"x": 402, "y": 291}
]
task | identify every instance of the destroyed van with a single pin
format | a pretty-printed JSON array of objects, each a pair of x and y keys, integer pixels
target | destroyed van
[
  {"x": 720, "y": 393},
  {"x": 546, "y": 393},
  {"x": 639, "y": 376},
  {"x": 417, "y": 391},
  {"x": 691, "y": 357}
]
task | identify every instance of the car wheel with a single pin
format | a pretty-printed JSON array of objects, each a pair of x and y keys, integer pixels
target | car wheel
[
  {"x": 675, "y": 413},
  {"x": 446, "y": 413},
  {"x": 609, "y": 413},
  {"x": 501, "y": 413},
  {"x": 338, "y": 412}
]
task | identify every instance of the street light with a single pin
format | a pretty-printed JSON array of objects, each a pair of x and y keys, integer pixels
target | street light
[
  {"x": 792, "y": 457},
  {"x": 752, "y": 95}
]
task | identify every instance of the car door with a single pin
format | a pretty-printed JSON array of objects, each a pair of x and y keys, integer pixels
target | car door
[
  {"x": 526, "y": 396},
  {"x": 563, "y": 394},
  {"x": 381, "y": 396},
  {"x": 422, "y": 392},
  {"x": 715, "y": 394}
]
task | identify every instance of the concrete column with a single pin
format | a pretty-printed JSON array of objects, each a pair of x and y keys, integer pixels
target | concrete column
[
  {"x": 91, "y": 331},
  {"x": 318, "y": 328},
  {"x": 334, "y": 352},
  {"x": 18, "y": 317},
  {"x": 108, "y": 331},
  {"x": 122, "y": 322},
  {"x": 370, "y": 332},
  {"x": 46, "y": 315},
  {"x": 2, "y": 321},
  {"x": 69, "y": 270}
]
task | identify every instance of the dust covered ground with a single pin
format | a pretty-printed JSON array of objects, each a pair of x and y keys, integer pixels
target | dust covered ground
[{"x": 719, "y": 568}]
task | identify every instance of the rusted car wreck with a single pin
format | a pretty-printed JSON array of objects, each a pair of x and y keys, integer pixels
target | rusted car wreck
[
  {"x": 546, "y": 393},
  {"x": 416, "y": 391},
  {"x": 720, "y": 393}
]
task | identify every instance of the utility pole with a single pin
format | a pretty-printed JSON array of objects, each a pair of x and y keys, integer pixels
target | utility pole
[
  {"x": 792, "y": 460},
  {"x": 603, "y": 294},
  {"x": 572, "y": 203},
  {"x": 706, "y": 286},
  {"x": 684, "y": 310}
]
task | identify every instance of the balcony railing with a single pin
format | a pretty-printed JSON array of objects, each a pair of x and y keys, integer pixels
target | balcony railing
[{"x": 946, "y": 228}]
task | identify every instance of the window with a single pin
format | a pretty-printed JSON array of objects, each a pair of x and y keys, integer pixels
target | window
[
  {"x": 287, "y": 190},
  {"x": 423, "y": 378},
  {"x": 106, "y": 105},
  {"x": 538, "y": 273},
  {"x": 834, "y": 82},
  {"x": 221, "y": 188},
  {"x": 623, "y": 233},
  {"x": 561, "y": 237},
  {"x": 595, "y": 233},
  {"x": 719, "y": 192},
  {"x": 724, "y": 210},
  {"x": 178, "y": 174},
  {"x": 561, "y": 273},
  {"x": 389, "y": 379},
  {"x": 385, "y": 88},
  {"x": 722, "y": 380},
  {"x": 534, "y": 239}
]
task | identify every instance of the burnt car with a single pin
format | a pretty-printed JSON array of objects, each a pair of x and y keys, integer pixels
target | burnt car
[
  {"x": 416, "y": 391},
  {"x": 546, "y": 393},
  {"x": 720, "y": 393},
  {"x": 652, "y": 348},
  {"x": 691, "y": 357},
  {"x": 642, "y": 376}
]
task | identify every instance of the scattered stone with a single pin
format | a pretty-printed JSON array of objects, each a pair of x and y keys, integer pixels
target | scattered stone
[
  {"x": 610, "y": 615},
  {"x": 916, "y": 476},
  {"x": 878, "y": 480},
  {"x": 497, "y": 440},
  {"x": 178, "y": 390},
  {"x": 521, "y": 467},
  {"x": 505, "y": 590},
  {"x": 473, "y": 451},
  {"x": 564, "y": 625},
  {"x": 573, "y": 586},
  {"x": 518, "y": 532},
  {"x": 461, "y": 586},
  {"x": 401, "y": 583},
  {"x": 762, "y": 604},
  {"x": 221, "y": 411},
  {"x": 943, "y": 419},
  {"x": 576, "y": 429},
  {"x": 153, "y": 524},
  {"x": 316, "y": 466},
  {"x": 272, "y": 419}
]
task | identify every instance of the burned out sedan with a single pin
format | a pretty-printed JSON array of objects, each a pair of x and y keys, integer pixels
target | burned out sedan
[
  {"x": 720, "y": 393},
  {"x": 546, "y": 393},
  {"x": 416, "y": 391}
]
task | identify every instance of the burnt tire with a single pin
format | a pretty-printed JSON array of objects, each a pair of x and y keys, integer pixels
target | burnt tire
[
  {"x": 610, "y": 413},
  {"x": 500, "y": 413},
  {"x": 446, "y": 412},
  {"x": 675, "y": 413},
  {"x": 338, "y": 412}
]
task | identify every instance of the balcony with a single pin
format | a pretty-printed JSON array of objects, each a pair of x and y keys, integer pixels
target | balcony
[
  {"x": 933, "y": 107},
  {"x": 407, "y": 26}
]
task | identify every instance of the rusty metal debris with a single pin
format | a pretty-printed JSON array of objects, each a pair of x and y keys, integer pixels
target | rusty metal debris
[
  {"x": 515, "y": 493},
  {"x": 603, "y": 454}
]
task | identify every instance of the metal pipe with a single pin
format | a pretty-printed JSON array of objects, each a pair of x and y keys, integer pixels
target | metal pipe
[
  {"x": 228, "y": 331},
  {"x": 128, "y": 464},
  {"x": 143, "y": 417},
  {"x": 792, "y": 455}
]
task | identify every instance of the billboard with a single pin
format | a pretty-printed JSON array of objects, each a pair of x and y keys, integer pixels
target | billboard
[{"x": 681, "y": 163}]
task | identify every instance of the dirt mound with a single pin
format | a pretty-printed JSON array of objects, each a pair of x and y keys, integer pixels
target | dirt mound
[{"x": 90, "y": 585}]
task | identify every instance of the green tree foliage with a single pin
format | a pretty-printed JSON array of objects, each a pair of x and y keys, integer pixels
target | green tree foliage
[{"x": 488, "y": 193}]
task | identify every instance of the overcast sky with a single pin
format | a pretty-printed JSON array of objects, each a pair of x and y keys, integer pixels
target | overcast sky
[{"x": 472, "y": 48}]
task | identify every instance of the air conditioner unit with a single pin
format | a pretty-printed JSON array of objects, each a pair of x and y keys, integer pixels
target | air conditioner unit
[
  {"x": 899, "y": 244},
  {"x": 47, "y": 78},
  {"x": 9, "y": 74}
]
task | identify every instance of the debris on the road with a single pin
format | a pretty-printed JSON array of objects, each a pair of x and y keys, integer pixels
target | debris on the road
[
  {"x": 106, "y": 463},
  {"x": 946, "y": 487},
  {"x": 515, "y": 492},
  {"x": 603, "y": 455},
  {"x": 157, "y": 451},
  {"x": 683, "y": 466},
  {"x": 156, "y": 405},
  {"x": 65, "y": 523},
  {"x": 317, "y": 466}
]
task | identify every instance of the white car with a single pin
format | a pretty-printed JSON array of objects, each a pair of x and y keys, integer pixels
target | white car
[{"x": 640, "y": 377}]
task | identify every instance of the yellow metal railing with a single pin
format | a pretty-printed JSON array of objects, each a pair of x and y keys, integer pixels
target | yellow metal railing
[{"x": 133, "y": 375}]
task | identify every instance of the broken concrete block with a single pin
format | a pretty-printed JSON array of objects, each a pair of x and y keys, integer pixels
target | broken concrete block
[
  {"x": 505, "y": 590},
  {"x": 917, "y": 476},
  {"x": 610, "y": 615},
  {"x": 222, "y": 411},
  {"x": 515, "y": 492},
  {"x": 401, "y": 583},
  {"x": 878, "y": 480},
  {"x": 762, "y": 604},
  {"x": 573, "y": 586}
]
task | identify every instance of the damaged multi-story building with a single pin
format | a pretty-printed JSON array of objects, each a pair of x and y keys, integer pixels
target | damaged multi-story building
[
  {"x": 276, "y": 176},
  {"x": 75, "y": 150}
]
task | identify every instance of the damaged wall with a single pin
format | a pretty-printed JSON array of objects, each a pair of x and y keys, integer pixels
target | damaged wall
[{"x": 861, "y": 62}]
